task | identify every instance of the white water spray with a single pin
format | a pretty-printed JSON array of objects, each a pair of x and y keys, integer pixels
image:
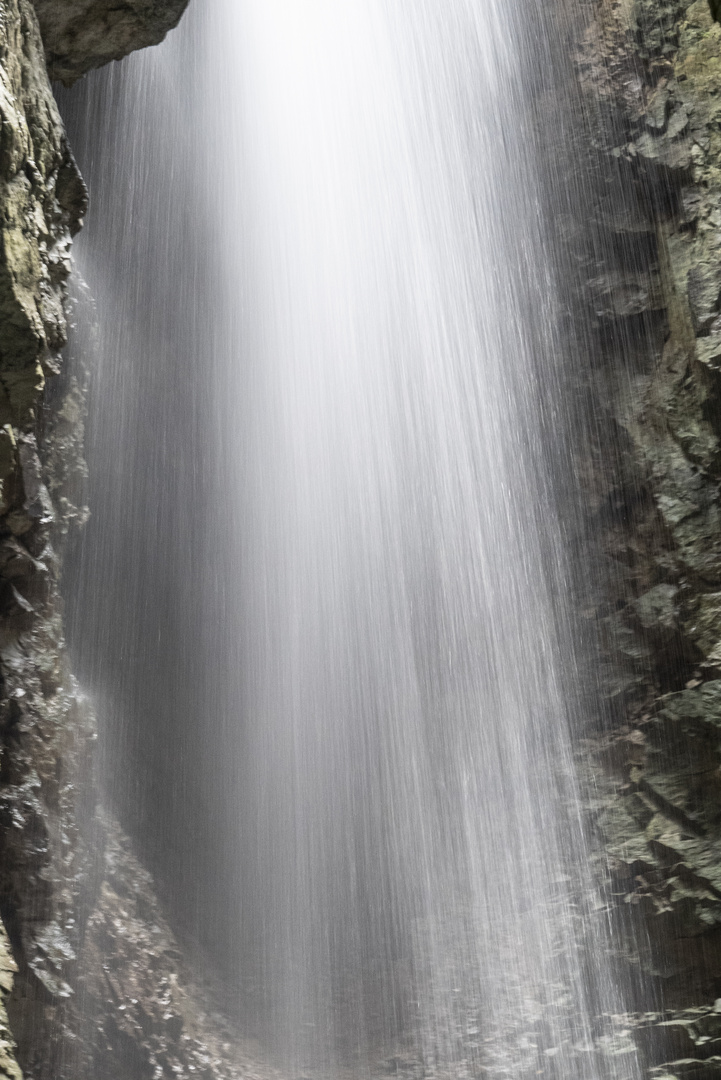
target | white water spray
[{"x": 392, "y": 659}]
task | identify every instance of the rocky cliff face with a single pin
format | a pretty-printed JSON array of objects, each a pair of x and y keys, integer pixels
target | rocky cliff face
[
  {"x": 42, "y": 203},
  {"x": 91, "y": 978},
  {"x": 99, "y": 984},
  {"x": 651, "y": 73}
]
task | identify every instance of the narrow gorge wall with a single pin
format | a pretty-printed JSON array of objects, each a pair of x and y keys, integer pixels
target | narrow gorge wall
[
  {"x": 651, "y": 73},
  {"x": 100, "y": 987}
]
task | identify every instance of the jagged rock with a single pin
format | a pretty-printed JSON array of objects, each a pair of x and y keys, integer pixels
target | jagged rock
[
  {"x": 83, "y": 34},
  {"x": 9, "y": 1068},
  {"x": 663, "y": 150},
  {"x": 708, "y": 352},
  {"x": 652, "y": 69},
  {"x": 81, "y": 914},
  {"x": 619, "y": 294},
  {"x": 704, "y": 289},
  {"x": 657, "y": 609}
]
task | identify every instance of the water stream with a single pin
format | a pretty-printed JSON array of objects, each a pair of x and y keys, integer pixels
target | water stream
[{"x": 323, "y": 602}]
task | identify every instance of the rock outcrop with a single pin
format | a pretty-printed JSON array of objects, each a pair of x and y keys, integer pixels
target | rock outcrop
[{"x": 83, "y": 34}]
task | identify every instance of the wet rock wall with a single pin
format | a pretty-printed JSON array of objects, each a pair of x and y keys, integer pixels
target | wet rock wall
[
  {"x": 92, "y": 981},
  {"x": 650, "y": 76}
]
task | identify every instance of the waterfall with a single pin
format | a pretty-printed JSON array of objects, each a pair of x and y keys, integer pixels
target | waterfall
[{"x": 324, "y": 603}]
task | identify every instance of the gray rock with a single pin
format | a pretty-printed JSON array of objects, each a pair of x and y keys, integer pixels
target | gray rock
[
  {"x": 656, "y": 609},
  {"x": 708, "y": 352},
  {"x": 618, "y": 294},
  {"x": 704, "y": 287},
  {"x": 83, "y": 34}
]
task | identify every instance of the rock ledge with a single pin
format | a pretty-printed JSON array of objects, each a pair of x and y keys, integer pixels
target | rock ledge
[{"x": 80, "y": 35}]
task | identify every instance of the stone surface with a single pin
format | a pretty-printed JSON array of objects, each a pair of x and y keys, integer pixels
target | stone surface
[
  {"x": 42, "y": 199},
  {"x": 83, "y": 34},
  {"x": 99, "y": 987},
  {"x": 651, "y": 72},
  {"x": 9, "y": 1068}
]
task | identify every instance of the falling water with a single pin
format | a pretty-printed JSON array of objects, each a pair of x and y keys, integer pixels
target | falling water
[{"x": 340, "y": 651}]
